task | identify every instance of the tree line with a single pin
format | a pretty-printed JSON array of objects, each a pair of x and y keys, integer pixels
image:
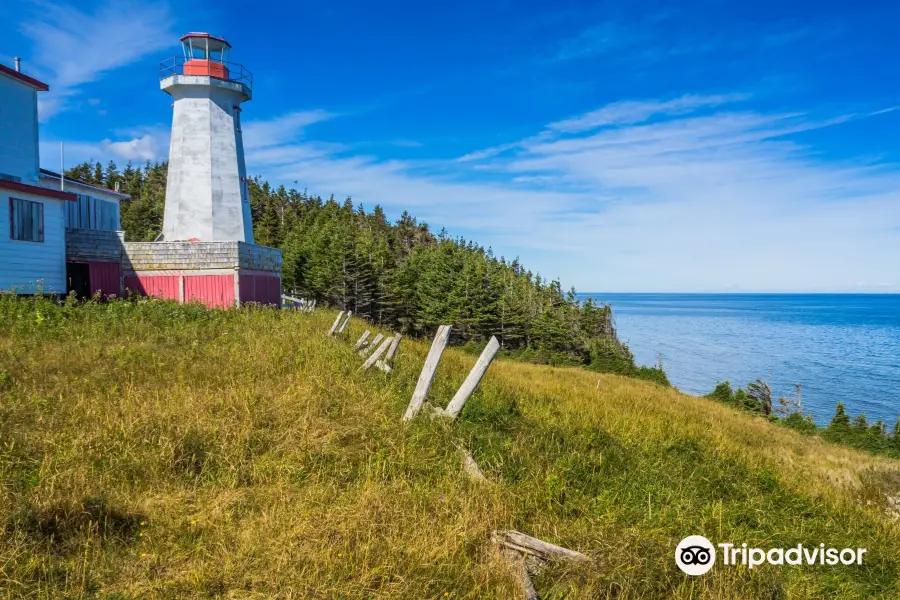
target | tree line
[
  {"x": 400, "y": 274},
  {"x": 843, "y": 429}
]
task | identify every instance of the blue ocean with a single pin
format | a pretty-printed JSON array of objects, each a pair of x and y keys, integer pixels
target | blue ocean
[{"x": 839, "y": 347}]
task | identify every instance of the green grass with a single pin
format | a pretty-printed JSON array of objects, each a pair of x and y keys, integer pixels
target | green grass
[{"x": 149, "y": 450}]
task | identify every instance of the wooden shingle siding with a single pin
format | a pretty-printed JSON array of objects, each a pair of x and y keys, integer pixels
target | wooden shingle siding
[
  {"x": 259, "y": 258},
  {"x": 155, "y": 256},
  {"x": 92, "y": 244}
]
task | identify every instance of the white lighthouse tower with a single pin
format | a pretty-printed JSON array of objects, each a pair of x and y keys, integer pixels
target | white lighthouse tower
[{"x": 207, "y": 198}]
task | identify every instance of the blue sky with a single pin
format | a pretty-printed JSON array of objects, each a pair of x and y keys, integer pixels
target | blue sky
[{"x": 630, "y": 146}]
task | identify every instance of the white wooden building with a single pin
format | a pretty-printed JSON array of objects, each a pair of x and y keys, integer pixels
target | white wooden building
[{"x": 37, "y": 212}]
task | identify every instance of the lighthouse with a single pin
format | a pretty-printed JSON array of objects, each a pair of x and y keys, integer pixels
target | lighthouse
[
  {"x": 207, "y": 197},
  {"x": 206, "y": 252}
]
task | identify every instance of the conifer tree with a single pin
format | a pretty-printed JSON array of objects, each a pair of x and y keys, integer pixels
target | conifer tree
[{"x": 400, "y": 274}]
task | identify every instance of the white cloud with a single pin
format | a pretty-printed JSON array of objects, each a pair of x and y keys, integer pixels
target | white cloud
[
  {"x": 136, "y": 145},
  {"x": 700, "y": 198},
  {"x": 626, "y": 113},
  {"x": 674, "y": 195},
  {"x": 137, "y": 149},
  {"x": 284, "y": 128},
  {"x": 75, "y": 46}
]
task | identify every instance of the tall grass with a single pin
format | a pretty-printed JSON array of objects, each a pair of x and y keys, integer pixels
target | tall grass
[{"x": 150, "y": 450}]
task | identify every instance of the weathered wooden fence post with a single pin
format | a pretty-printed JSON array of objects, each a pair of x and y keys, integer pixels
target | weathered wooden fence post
[
  {"x": 362, "y": 340},
  {"x": 346, "y": 322},
  {"x": 385, "y": 363},
  {"x": 484, "y": 361},
  {"x": 471, "y": 467},
  {"x": 371, "y": 346},
  {"x": 427, "y": 375},
  {"x": 377, "y": 354},
  {"x": 335, "y": 325}
]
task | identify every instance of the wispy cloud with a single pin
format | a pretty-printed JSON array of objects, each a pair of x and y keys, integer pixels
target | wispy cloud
[
  {"x": 74, "y": 46},
  {"x": 284, "y": 128},
  {"x": 686, "y": 194},
  {"x": 630, "y": 112},
  {"x": 599, "y": 39}
]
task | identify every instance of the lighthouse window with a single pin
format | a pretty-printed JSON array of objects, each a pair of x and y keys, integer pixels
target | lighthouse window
[{"x": 196, "y": 48}]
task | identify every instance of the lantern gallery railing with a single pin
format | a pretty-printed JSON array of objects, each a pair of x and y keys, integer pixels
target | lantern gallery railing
[{"x": 179, "y": 65}]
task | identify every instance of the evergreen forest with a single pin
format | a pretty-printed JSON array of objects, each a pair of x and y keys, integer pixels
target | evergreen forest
[{"x": 400, "y": 274}]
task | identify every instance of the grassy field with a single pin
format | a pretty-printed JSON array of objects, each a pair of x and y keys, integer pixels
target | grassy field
[{"x": 156, "y": 451}]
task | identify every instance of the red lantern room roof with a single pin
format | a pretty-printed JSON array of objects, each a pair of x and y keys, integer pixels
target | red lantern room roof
[{"x": 200, "y": 34}]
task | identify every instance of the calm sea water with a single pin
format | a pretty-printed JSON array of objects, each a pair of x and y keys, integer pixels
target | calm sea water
[{"x": 839, "y": 347}]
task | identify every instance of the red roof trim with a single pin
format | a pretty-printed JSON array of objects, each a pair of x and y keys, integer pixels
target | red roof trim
[
  {"x": 36, "y": 190},
  {"x": 40, "y": 85},
  {"x": 200, "y": 34}
]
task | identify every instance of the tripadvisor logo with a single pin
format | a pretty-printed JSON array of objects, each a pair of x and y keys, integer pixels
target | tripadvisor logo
[{"x": 696, "y": 555}]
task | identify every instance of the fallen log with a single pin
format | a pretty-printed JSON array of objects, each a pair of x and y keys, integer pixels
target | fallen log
[{"x": 533, "y": 547}]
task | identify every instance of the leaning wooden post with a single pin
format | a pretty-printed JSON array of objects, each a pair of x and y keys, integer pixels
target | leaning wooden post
[
  {"x": 377, "y": 354},
  {"x": 371, "y": 346},
  {"x": 484, "y": 361},
  {"x": 471, "y": 467},
  {"x": 385, "y": 363},
  {"x": 335, "y": 325},
  {"x": 427, "y": 375},
  {"x": 393, "y": 349},
  {"x": 346, "y": 322},
  {"x": 362, "y": 340}
]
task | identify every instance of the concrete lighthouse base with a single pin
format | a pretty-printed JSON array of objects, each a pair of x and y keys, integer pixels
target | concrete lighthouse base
[{"x": 218, "y": 274}]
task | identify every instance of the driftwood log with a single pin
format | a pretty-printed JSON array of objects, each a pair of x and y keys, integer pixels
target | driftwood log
[
  {"x": 428, "y": 370},
  {"x": 525, "y": 553},
  {"x": 517, "y": 562},
  {"x": 538, "y": 549}
]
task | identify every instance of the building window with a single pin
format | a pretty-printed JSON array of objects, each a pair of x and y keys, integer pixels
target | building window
[
  {"x": 92, "y": 213},
  {"x": 26, "y": 220}
]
